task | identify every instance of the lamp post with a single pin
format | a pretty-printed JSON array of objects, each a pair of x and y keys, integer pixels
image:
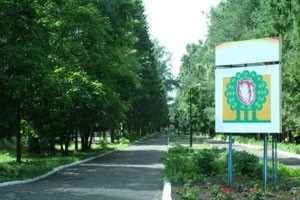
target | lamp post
[
  {"x": 190, "y": 116},
  {"x": 190, "y": 113}
]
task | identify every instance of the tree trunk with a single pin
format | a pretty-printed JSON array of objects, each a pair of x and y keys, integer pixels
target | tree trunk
[
  {"x": 85, "y": 139},
  {"x": 82, "y": 139},
  {"x": 76, "y": 140},
  {"x": 91, "y": 139},
  {"x": 112, "y": 136},
  {"x": 61, "y": 143},
  {"x": 66, "y": 142},
  {"x": 18, "y": 138}
]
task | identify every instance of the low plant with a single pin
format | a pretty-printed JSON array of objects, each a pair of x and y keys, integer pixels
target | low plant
[
  {"x": 189, "y": 191},
  {"x": 255, "y": 193},
  {"x": 222, "y": 192},
  {"x": 124, "y": 140},
  {"x": 178, "y": 164},
  {"x": 208, "y": 161},
  {"x": 205, "y": 169},
  {"x": 246, "y": 164},
  {"x": 295, "y": 191}
]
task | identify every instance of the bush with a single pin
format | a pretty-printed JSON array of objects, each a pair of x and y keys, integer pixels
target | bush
[
  {"x": 246, "y": 164},
  {"x": 182, "y": 163},
  {"x": 209, "y": 161},
  {"x": 104, "y": 144},
  {"x": 178, "y": 164},
  {"x": 124, "y": 140}
]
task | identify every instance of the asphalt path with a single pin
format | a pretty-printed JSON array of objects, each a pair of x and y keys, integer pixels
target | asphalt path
[
  {"x": 290, "y": 160},
  {"x": 135, "y": 173}
]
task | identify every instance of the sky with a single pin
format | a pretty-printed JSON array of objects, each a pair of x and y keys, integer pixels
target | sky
[{"x": 176, "y": 23}]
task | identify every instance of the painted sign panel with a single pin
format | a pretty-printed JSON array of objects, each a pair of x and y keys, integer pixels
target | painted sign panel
[
  {"x": 248, "y": 51},
  {"x": 248, "y": 99}
]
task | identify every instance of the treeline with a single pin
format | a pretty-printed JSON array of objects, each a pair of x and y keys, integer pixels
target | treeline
[
  {"x": 233, "y": 20},
  {"x": 72, "y": 68}
]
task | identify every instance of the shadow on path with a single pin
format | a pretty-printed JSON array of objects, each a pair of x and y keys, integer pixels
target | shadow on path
[{"x": 134, "y": 173}]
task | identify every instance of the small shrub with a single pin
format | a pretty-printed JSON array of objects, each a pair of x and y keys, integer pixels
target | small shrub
[
  {"x": 295, "y": 191},
  {"x": 178, "y": 164},
  {"x": 104, "y": 144},
  {"x": 206, "y": 161},
  {"x": 255, "y": 193},
  {"x": 124, "y": 140},
  {"x": 246, "y": 164},
  {"x": 222, "y": 192},
  {"x": 189, "y": 191}
]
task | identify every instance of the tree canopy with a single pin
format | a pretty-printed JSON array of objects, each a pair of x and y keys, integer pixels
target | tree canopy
[
  {"x": 69, "y": 67},
  {"x": 232, "y": 20}
]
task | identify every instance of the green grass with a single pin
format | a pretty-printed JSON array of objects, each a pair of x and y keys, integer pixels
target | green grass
[{"x": 36, "y": 165}]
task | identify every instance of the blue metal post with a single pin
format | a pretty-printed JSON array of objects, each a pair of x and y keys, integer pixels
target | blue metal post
[
  {"x": 274, "y": 159},
  {"x": 265, "y": 167},
  {"x": 230, "y": 160}
]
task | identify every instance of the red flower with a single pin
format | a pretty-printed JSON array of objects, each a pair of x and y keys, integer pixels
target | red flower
[
  {"x": 253, "y": 190},
  {"x": 225, "y": 189}
]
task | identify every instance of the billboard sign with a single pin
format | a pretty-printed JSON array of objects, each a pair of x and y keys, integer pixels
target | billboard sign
[{"x": 248, "y": 98}]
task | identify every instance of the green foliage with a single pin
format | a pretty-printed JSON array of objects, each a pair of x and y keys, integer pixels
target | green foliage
[
  {"x": 61, "y": 76},
  {"x": 222, "y": 192},
  {"x": 178, "y": 164},
  {"x": 124, "y": 140},
  {"x": 246, "y": 164},
  {"x": 296, "y": 192},
  {"x": 233, "y": 21},
  {"x": 35, "y": 165},
  {"x": 209, "y": 162},
  {"x": 103, "y": 143},
  {"x": 189, "y": 191},
  {"x": 181, "y": 163}
]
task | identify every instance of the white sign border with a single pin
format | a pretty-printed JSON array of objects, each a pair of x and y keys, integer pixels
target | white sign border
[{"x": 274, "y": 126}]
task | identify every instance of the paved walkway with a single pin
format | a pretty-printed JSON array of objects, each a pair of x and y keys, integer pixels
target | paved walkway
[
  {"x": 134, "y": 173},
  {"x": 289, "y": 159}
]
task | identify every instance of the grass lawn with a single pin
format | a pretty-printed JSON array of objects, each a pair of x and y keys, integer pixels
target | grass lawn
[{"x": 36, "y": 165}]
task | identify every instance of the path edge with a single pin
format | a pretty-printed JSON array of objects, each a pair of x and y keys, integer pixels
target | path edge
[{"x": 57, "y": 169}]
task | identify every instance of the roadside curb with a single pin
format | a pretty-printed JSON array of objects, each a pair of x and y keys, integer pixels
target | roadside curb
[
  {"x": 55, "y": 170},
  {"x": 167, "y": 191}
]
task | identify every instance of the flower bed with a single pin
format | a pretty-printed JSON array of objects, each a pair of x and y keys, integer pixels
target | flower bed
[{"x": 202, "y": 174}]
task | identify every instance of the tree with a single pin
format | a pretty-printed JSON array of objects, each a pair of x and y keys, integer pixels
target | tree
[
  {"x": 246, "y": 92},
  {"x": 22, "y": 58},
  {"x": 63, "y": 76}
]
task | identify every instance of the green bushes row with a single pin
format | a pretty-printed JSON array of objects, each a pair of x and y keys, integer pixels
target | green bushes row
[{"x": 183, "y": 164}]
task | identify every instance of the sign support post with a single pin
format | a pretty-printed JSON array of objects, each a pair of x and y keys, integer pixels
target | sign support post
[
  {"x": 265, "y": 166},
  {"x": 274, "y": 159},
  {"x": 230, "y": 160}
]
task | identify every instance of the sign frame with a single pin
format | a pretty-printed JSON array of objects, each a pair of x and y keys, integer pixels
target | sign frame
[{"x": 271, "y": 124}]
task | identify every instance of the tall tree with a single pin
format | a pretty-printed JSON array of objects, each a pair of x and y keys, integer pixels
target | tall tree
[{"x": 22, "y": 56}]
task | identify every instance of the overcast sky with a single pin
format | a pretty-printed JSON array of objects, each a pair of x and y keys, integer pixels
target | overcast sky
[{"x": 176, "y": 23}]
